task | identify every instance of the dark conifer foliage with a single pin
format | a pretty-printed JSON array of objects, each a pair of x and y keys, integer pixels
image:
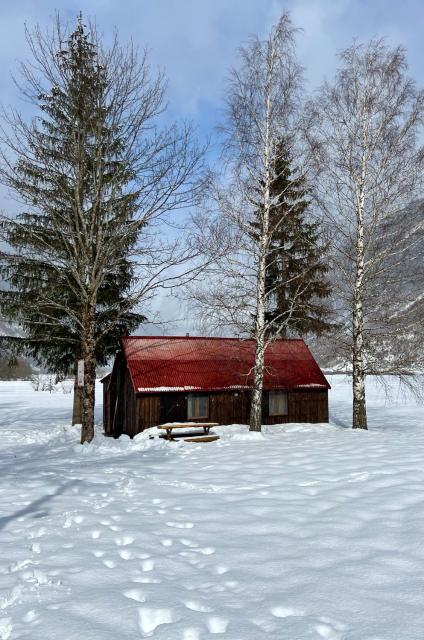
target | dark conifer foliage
[
  {"x": 74, "y": 115},
  {"x": 94, "y": 174},
  {"x": 297, "y": 287}
]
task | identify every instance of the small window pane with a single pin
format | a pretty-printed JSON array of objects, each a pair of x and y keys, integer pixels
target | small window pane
[
  {"x": 203, "y": 409},
  {"x": 190, "y": 406},
  {"x": 278, "y": 403},
  {"x": 197, "y": 406}
]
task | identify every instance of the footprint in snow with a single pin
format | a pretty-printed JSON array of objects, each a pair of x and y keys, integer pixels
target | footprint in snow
[
  {"x": 166, "y": 542},
  {"x": 149, "y": 619},
  {"x": 220, "y": 570},
  {"x": 135, "y": 594},
  {"x": 194, "y": 605},
  {"x": 180, "y": 525},
  {"x": 286, "y": 612},
  {"x": 188, "y": 543},
  {"x": 330, "y": 629},
  {"x": 217, "y": 624},
  {"x": 18, "y": 566},
  {"x": 110, "y": 564},
  {"x": 71, "y": 519},
  {"x": 147, "y": 565},
  {"x": 30, "y": 616},
  {"x": 124, "y": 541},
  {"x": 146, "y": 580}
]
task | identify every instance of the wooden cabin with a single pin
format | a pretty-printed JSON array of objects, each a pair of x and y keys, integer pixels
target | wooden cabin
[{"x": 177, "y": 379}]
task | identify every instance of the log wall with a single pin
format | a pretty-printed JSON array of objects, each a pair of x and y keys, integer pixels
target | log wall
[
  {"x": 129, "y": 413},
  {"x": 228, "y": 408}
]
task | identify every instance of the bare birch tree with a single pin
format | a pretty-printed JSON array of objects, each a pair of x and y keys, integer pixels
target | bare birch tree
[
  {"x": 97, "y": 179},
  {"x": 363, "y": 131},
  {"x": 238, "y": 228}
]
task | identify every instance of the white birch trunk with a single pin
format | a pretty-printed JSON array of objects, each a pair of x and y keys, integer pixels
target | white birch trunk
[
  {"x": 359, "y": 418},
  {"x": 258, "y": 371}
]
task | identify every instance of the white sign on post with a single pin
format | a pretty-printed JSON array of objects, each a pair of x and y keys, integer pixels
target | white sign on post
[{"x": 80, "y": 375}]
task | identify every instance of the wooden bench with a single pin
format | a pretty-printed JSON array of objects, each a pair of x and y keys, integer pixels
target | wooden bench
[
  {"x": 202, "y": 438},
  {"x": 169, "y": 428}
]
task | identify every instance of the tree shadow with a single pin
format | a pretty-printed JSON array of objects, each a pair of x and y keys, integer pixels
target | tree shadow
[
  {"x": 338, "y": 421},
  {"x": 35, "y": 509}
]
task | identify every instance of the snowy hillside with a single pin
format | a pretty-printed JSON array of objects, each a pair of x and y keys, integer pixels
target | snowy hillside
[{"x": 304, "y": 532}]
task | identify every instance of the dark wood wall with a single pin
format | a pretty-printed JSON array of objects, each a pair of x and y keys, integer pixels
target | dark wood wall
[
  {"x": 228, "y": 408},
  {"x": 120, "y": 403},
  {"x": 129, "y": 413}
]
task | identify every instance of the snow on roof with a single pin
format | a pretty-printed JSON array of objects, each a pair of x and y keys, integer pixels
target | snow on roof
[
  {"x": 186, "y": 388},
  {"x": 311, "y": 384},
  {"x": 170, "y": 364}
]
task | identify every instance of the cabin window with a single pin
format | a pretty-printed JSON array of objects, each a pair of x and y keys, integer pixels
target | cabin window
[
  {"x": 197, "y": 406},
  {"x": 278, "y": 403}
]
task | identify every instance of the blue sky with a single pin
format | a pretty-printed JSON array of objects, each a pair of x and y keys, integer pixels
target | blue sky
[{"x": 196, "y": 41}]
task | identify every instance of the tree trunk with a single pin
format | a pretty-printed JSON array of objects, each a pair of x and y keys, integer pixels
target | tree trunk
[
  {"x": 78, "y": 403},
  {"x": 359, "y": 419},
  {"x": 88, "y": 349},
  {"x": 258, "y": 370},
  {"x": 258, "y": 376}
]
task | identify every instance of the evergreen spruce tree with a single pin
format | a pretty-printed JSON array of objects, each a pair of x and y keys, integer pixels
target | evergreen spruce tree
[
  {"x": 92, "y": 173},
  {"x": 44, "y": 286},
  {"x": 296, "y": 282}
]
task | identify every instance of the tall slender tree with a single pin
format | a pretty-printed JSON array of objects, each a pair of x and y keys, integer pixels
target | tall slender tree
[
  {"x": 261, "y": 107},
  {"x": 364, "y": 131},
  {"x": 95, "y": 176}
]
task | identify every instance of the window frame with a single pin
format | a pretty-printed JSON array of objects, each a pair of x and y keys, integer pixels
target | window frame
[
  {"x": 196, "y": 397},
  {"x": 271, "y": 395}
]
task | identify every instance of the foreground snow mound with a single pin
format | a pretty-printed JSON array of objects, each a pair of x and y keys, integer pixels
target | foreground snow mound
[{"x": 298, "y": 532}]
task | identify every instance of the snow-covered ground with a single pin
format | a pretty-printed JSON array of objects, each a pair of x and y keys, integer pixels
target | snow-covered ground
[{"x": 304, "y": 532}]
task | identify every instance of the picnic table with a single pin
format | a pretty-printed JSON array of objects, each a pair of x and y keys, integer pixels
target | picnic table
[{"x": 206, "y": 426}]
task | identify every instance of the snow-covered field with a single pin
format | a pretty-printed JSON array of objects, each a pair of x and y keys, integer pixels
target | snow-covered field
[{"x": 305, "y": 532}]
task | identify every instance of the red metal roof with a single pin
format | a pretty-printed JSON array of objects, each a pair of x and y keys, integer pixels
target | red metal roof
[{"x": 166, "y": 364}]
